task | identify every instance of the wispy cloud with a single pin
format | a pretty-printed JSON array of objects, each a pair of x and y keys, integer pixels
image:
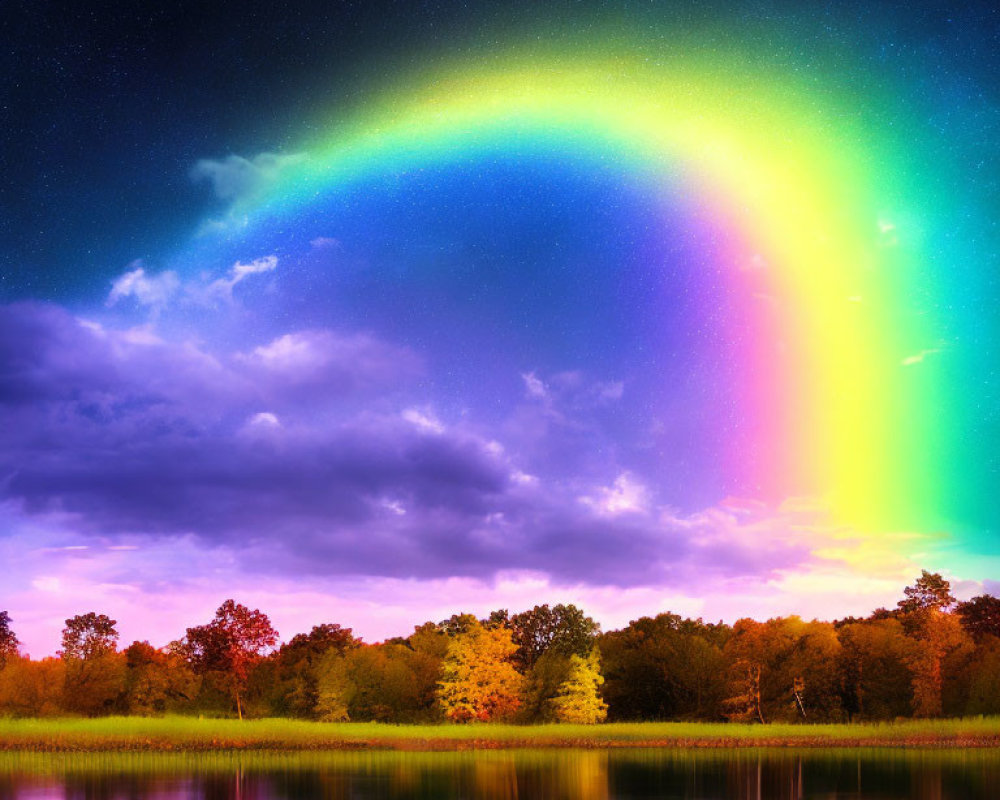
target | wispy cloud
[
  {"x": 234, "y": 177},
  {"x": 154, "y": 291},
  {"x": 221, "y": 289},
  {"x": 918, "y": 358},
  {"x": 158, "y": 290}
]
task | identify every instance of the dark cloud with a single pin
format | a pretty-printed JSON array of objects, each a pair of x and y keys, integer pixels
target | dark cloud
[{"x": 265, "y": 452}]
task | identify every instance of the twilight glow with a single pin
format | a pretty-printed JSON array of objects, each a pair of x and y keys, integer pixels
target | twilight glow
[{"x": 636, "y": 326}]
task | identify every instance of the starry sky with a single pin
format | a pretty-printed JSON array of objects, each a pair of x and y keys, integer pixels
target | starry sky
[{"x": 374, "y": 312}]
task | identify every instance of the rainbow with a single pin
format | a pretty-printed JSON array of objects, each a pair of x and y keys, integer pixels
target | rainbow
[{"x": 818, "y": 203}]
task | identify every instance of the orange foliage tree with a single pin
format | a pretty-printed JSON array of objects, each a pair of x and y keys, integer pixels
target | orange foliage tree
[{"x": 478, "y": 680}]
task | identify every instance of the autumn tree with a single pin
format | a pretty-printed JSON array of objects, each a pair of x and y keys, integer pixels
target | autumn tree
[
  {"x": 578, "y": 699},
  {"x": 458, "y": 624},
  {"x": 937, "y": 636},
  {"x": 812, "y": 670},
  {"x": 430, "y": 639},
  {"x": 980, "y": 616},
  {"x": 478, "y": 680},
  {"x": 783, "y": 669},
  {"x": 157, "y": 681},
  {"x": 563, "y": 629},
  {"x": 929, "y": 591},
  {"x": 95, "y": 671},
  {"x": 32, "y": 688},
  {"x": 983, "y": 694},
  {"x": 665, "y": 667},
  {"x": 387, "y": 682},
  {"x": 89, "y": 635},
  {"x": 8, "y": 641},
  {"x": 874, "y": 665},
  {"x": 230, "y": 645},
  {"x": 294, "y": 682}
]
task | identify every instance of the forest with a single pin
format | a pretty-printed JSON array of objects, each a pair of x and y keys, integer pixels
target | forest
[{"x": 929, "y": 656}]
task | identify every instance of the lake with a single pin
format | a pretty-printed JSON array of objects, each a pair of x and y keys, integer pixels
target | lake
[{"x": 489, "y": 775}]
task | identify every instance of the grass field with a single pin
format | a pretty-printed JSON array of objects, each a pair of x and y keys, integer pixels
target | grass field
[{"x": 189, "y": 734}]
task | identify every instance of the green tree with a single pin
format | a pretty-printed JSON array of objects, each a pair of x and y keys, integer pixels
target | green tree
[
  {"x": 294, "y": 684},
  {"x": 542, "y": 684},
  {"x": 230, "y": 645},
  {"x": 563, "y": 629},
  {"x": 665, "y": 667},
  {"x": 578, "y": 699},
  {"x": 386, "y": 683},
  {"x": 478, "y": 680}
]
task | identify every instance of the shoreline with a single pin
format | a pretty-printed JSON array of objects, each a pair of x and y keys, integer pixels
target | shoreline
[{"x": 180, "y": 734}]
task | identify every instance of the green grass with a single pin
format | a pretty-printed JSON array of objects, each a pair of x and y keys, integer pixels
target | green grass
[{"x": 190, "y": 734}]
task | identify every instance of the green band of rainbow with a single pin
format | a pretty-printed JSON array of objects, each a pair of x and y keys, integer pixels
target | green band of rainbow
[{"x": 809, "y": 186}]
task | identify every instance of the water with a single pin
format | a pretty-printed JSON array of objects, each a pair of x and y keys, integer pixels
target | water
[{"x": 552, "y": 774}]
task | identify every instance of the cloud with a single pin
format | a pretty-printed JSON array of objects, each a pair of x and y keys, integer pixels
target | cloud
[
  {"x": 157, "y": 291},
  {"x": 533, "y": 385},
  {"x": 425, "y": 422},
  {"x": 324, "y": 363},
  {"x": 154, "y": 291},
  {"x": 297, "y": 455},
  {"x": 918, "y": 358},
  {"x": 235, "y": 177},
  {"x": 221, "y": 289},
  {"x": 625, "y": 495},
  {"x": 571, "y": 389}
]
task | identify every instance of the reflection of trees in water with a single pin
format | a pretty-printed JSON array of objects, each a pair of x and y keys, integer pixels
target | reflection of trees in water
[
  {"x": 575, "y": 775},
  {"x": 554, "y": 775},
  {"x": 494, "y": 780}
]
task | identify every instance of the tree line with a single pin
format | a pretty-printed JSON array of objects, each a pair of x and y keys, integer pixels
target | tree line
[{"x": 929, "y": 656}]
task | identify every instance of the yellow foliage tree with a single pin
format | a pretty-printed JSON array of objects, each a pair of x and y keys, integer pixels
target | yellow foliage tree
[
  {"x": 578, "y": 699},
  {"x": 478, "y": 681}
]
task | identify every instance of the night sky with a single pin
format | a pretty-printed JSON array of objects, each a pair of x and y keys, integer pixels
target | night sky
[{"x": 375, "y": 312}]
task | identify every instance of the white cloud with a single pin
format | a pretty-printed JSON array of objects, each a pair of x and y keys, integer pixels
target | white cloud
[
  {"x": 264, "y": 419},
  {"x": 626, "y": 494},
  {"x": 324, "y": 243},
  {"x": 234, "y": 177},
  {"x": 534, "y": 385},
  {"x": 423, "y": 421},
  {"x": 222, "y": 288},
  {"x": 292, "y": 351},
  {"x": 395, "y": 507},
  {"x": 154, "y": 291},
  {"x": 523, "y": 478}
]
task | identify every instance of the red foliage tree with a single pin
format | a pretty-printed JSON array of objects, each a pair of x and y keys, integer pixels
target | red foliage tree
[{"x": 231, "y": 644}]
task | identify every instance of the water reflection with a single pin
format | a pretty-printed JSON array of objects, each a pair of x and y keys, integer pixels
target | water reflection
[{"x": 554, "y": 775}]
